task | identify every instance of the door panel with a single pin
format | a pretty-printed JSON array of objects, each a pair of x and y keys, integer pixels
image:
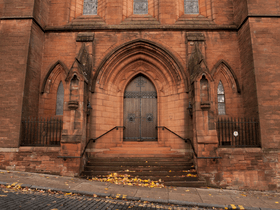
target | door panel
[
  {"x": 132, "y": 118},
  {"x": 140, "y": 110},
  {"x": 149, "y": 120}
]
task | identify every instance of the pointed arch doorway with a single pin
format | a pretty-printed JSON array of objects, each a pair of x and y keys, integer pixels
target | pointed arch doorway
[{"x": 140, "y": 110}]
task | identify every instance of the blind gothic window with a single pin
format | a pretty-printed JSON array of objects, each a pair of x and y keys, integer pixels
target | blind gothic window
[
  {"x": 140, "y": 7},
  {"x": 221, "y": 99},
  {"x": 59, "y": 99},
  {"x": 191, "y": 7},
  {"x": 90, "y": 7}
]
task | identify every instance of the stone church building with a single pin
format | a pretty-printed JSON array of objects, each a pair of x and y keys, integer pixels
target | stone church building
[{"x": 159, "y": 78}]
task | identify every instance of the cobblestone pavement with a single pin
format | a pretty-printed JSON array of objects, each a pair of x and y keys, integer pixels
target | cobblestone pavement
[{"x": 40, "y": 200}]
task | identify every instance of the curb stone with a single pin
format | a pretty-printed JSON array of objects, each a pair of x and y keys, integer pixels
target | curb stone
[
  {"x": 133, "y": 198},
  {"x": 160, "y": 201},
  {"x": 4, "y": 183},
  {"x": 26, "y": 185},
  {"x": 155, "y": 200}
]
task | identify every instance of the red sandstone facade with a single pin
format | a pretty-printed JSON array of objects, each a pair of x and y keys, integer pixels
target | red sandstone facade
[{"x": 185, "y": 56}]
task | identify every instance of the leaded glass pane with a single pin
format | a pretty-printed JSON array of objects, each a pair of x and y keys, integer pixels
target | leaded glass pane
[
  {"x": 191, "y": 7},
  {"x": 140, "y": 7},
  {"x": 221, "y": 109},
  {"x": 60, "y": 99},
  {"x": 90, "y": 7},
  {"x": 221, "y": 98},
  {"x": 221, "y": 88}
]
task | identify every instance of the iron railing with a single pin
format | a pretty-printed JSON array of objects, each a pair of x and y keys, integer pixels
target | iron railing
[
  {"x": 41, "y": 132},
  {"x": 241, "y": 132},
  {"x": 93, "y": 140},
  {"x": 186, "y": 140}
]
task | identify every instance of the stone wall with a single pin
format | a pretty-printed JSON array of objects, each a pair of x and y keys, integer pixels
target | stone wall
[
  {"x": 15, "y": 38},
  {"x": 242, "y": 168}
]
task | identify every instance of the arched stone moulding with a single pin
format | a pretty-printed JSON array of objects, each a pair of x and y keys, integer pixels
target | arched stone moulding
[
  {"x": 225, "y": 69},
  {"x": 140, "y": 49},
  {"x": 233, "y": 98},
  {"x": 55, "y": 70},
  {"x": 56, "y": 74},
  {"x": 122, "y": 73}
]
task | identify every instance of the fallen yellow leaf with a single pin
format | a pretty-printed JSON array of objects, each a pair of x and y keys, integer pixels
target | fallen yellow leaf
[
  {"x": 14, "y": 184},
  {"x": 3, "y": 195},
  {"x": 276, "y": 202}
]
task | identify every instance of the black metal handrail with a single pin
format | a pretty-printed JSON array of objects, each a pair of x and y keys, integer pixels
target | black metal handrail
[
  {"x": 186, "y": 140},
  {"x": 93, "y": 140}
]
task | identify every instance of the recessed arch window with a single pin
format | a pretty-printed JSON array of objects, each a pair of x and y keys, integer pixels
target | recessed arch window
[
  {"x": 191, "y": 6},
  {"x": 90, "y": 7},
  {"x": 59, "y": 99},
  {"x": 221, "y": 99},
  {"x": 140, "y": 7}
]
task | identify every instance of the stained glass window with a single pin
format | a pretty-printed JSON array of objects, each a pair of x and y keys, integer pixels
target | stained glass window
[
  {"x": 191, "y": 7},
  {"x": 59, "y": 99},
  {"x": 90, "y": 7},
  {"x": 221, "y": 99},
  {"x": 140, "y": 7}
]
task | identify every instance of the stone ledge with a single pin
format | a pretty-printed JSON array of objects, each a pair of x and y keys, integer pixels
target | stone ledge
[
  {"x": 9, "y": 149},
  {"x": 39, "y": 149},
  {"x": 245, "y": 149}
]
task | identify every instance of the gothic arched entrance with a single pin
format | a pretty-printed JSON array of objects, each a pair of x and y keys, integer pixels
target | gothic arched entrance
[{"x": 140, "y": 110}]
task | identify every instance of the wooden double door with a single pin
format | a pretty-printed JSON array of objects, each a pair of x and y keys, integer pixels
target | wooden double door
[{"x": 140, "y": 110}]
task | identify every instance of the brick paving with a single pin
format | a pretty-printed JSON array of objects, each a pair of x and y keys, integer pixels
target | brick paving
[{"x": 28, "y": 200}]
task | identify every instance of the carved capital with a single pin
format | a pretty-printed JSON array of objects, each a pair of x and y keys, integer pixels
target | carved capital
[
  {"x": 73, "y": 105},
  {"x": 205, "y": 105}
]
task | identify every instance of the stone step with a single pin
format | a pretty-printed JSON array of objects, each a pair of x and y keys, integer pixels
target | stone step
[
  {"x": 139, "y": 144},
  {"x": 130, "y": 148},
  {"x": 197, "y": 184},
  {"x": 138, "y": 152},
  {"x": 116, "y": 155},
  {"x": 164, "y": 179},
  {"x": 138, "y": 168},
  {"x": 137, "y": 173},
  {"x": 142, "y": 160},
  {"x": 132, "y": 163}
]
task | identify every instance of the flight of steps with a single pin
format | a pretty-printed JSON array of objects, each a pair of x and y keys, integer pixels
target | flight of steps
[{"x": 145, "y": 161}]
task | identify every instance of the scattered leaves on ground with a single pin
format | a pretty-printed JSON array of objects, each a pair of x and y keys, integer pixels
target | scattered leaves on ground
[{"x": 125, "y": 179}]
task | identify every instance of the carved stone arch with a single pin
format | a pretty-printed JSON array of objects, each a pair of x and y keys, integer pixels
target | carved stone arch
[
  {"x": 223, "y": 67},
  {"x": 121, "y": 74},
  {"x": 136, "y": 50},
  {"x": 141, "y": 71},
  {"x": 55, "y": 70},
  {"x": 207, "y": 75}
]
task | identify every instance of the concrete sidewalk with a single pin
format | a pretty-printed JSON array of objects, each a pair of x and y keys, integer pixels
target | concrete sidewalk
[{"x": 202, "y": 197}]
